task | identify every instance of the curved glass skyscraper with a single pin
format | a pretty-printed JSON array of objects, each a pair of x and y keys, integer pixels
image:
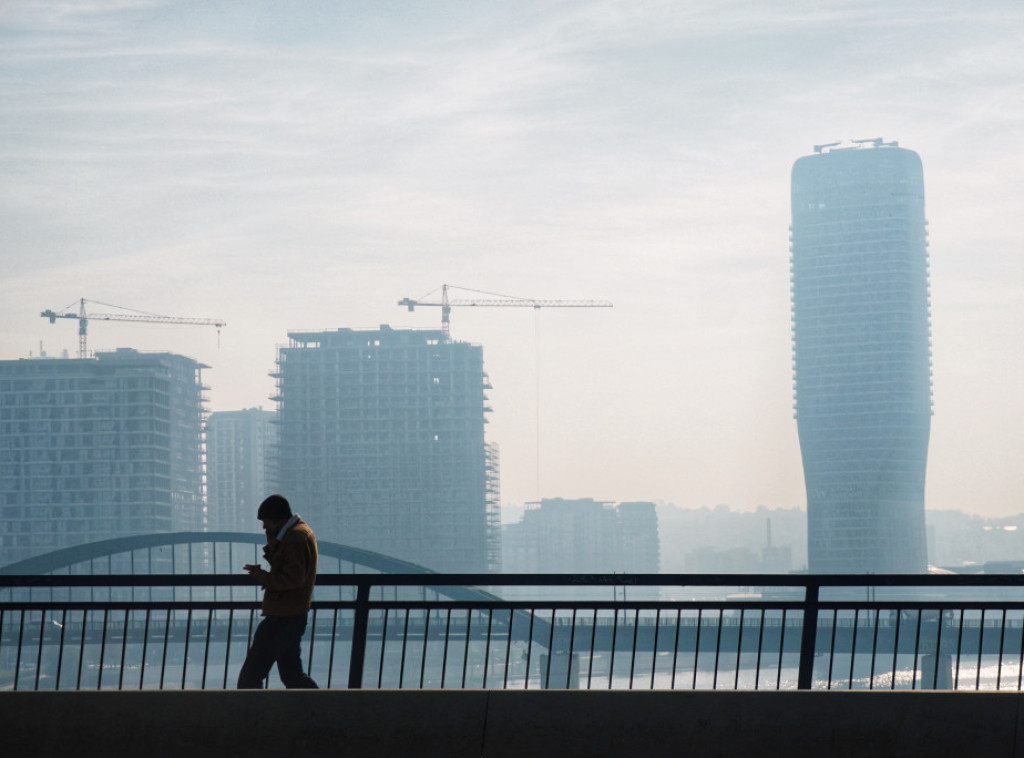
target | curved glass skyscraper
[{"x": 862, "y": 355}]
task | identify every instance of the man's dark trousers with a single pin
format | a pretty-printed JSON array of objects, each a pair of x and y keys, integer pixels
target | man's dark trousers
[{"x": 277, "y": 641}]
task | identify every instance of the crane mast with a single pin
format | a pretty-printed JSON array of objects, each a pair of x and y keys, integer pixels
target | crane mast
[
  {"x": 83, "y": 319},
  {"x": 446, "y": 303}
]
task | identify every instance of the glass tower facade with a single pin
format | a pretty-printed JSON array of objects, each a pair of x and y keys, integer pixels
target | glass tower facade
[{"x": 862, "y": 355}]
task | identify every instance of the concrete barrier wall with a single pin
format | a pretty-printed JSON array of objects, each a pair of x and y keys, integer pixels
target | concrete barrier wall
[{"x": 496, "y": 724}]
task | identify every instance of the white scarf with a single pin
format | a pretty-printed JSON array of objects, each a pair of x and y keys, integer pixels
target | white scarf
[{"x": 287, "y": 525}]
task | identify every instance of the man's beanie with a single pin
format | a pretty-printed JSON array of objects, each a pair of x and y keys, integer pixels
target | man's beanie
[{"x": 274, "y": 507}]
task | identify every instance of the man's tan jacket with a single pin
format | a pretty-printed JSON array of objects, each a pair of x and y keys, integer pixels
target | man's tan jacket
[{"x": 288, "y": 586}]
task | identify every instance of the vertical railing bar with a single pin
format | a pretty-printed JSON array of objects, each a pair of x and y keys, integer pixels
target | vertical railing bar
[
  {"x": 444, "y": 649},
  {"x": 529, "y": 651},
  {"x": 938, "y": 648},
  {"x": 675, "y": 648},
  {"x": 60, "y": 648},
  {"x": 167, "y": 635},
  {"x": 636, "y": 631},
  {"x": 832, "y": 647},
  {"x": 3, "y": 614},
  {"x": 248, "y": 633},
  {"x": 39, "y": 651},
  {"x": 360, "y": 630},
  {"x": 312, "y": 640},
  {"x": 423, "y": 661},
  {"x": 145, "y": 647},
  {"x": 981, "y": 639},
  {"x": 487, "y": 648},
  {"x": 896, "y": 647},
  {"x": 739, "y": 650},
  {"x": 551, "y": 650},
  {"x": 782, "y": 649},
  {"x": 81, "y": 652},
  {"x": 210, "y": 622},
  {"x": 405, "y": 647},
  {"x": 17, "y": 655},
  {"x": 718, "y": 647},
  {"x": 874, "y": 648},
  {"x": 572, "y": 645},
  {"x": 508, "y": 649},
  {"x": 593, "y": 647},
  {"x": 654, "y": 652},
  {"x": 383, "y": 645},
  {"x": 1002, "y": 640},
  {"x": 465, "y": 653},
  {"x": 917, "y": 650},
  {"x": 611, "y": 657},
  {"x": 211, "y": 625},
  {"x": 103, "y": 651},
  {"x": 959, "y": 646},
  {"x": 1020, "y": 657},
  {"x": 760, "y": 647},
  {"x": 853, "y": 643},
  {"x": 124, "y": 651},
  {"x": 940, "y": 611},
  {"x": 188, "y": 634},
  {"x": 330, "y": 655},
  {"x": 231, "y": 632},
  {"x": 696, "y": 646},
  {"x": 808, "y": 636}
]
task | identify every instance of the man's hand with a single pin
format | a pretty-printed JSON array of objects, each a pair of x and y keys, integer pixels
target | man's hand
[{"x": 253, "y": 570}]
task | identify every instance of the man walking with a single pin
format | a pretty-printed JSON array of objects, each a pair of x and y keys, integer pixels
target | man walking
[{"x": 287, "y": 594}]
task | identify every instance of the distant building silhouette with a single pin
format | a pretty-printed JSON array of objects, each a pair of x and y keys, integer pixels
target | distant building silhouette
[
  {"x": 862, "y": 355},
  {"x": 381, "y": 444},
  {"x": 239, "y": 467},
  {"x": 583, "y": 536},
  {"x": 97, "y": 448}
]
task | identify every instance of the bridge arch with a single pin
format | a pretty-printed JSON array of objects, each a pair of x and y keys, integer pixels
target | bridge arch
[
  {"x": 213, "y": 553},
  {"x": 196, "y": 553}
]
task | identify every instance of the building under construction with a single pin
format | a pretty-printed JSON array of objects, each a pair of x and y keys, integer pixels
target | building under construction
[
  {"x": 97, "y": 448},
  {"x": 381, "y": 444},
  {"x": 239, "y": 470}
]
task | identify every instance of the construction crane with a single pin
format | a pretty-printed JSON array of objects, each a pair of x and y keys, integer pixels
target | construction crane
[
  {"x": 446, "y": 303},
  {"x": 494, "y": 299},
  {"x": 137, "y": 316}
]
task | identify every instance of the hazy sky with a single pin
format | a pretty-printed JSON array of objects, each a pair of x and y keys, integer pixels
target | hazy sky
[{"x": 305, "y": 165}]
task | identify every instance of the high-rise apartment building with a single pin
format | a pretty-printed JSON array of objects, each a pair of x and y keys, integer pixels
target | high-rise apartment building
[
  {"x": 862, "y": 355},
  {"x": 381, "y": 444},
  {"x": 239, "y": 467},
  {"x": 98, "y": 448}
]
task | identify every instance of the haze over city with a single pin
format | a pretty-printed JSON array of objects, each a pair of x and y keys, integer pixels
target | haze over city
[{"x": 288, "y": 167}]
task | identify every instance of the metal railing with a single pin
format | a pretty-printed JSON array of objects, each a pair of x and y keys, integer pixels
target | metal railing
[{"x": 526, "y": 631}]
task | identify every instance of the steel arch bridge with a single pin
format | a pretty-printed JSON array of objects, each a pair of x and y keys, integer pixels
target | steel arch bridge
[
  {"x": 195, "y": 553},
  {"x": 212, "y": 553}
]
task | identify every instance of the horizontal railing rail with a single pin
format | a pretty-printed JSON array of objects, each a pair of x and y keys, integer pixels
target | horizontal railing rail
[{"x": 594, "y": 631}]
